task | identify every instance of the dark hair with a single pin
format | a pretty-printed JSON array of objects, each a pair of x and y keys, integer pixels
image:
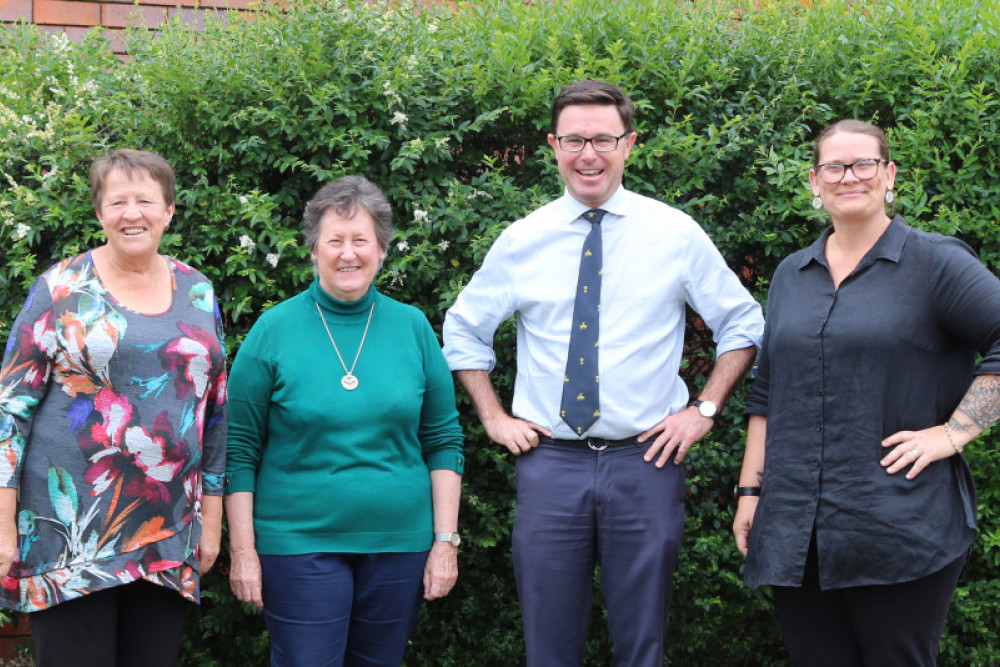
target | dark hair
[
  {"x": 345, "y": 195},
  {"x": 853, "y": 126},
  {"x": 130, "y": 161},
  {"x": 589, "y": 91}
]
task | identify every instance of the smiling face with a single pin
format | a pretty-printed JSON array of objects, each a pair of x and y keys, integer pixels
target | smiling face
[
  {"x": 133, "y": 214},
  {"x": 347, "y": 254},
  {"x": 591, "y": 177},
  {"x": 853, "y": 199}
]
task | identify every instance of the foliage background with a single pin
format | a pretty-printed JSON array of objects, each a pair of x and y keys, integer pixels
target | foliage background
[{"x": 447, "y": 109}]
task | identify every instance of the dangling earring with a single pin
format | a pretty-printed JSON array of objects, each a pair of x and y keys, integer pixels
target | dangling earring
[
  {"x": 889, "y": 197},
  {"x": 817, "y": 203}
]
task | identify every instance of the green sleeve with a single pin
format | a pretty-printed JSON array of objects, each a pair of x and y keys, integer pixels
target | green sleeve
[
  {"x": 251, "y": 383},
  {"x": 440, "y": 435}
]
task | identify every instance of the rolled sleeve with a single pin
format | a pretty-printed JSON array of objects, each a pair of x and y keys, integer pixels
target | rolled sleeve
[
  {"x": 718, "y": 296},
  {"x": 251, "y": 383},
  {"x": 967, "y": 297},
  {"x": 481, "y": 307},
  {"x": 441, "y": 438}
]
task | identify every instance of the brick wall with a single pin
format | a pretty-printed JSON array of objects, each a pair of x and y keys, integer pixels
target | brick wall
[{"x": 76, "y": 17}]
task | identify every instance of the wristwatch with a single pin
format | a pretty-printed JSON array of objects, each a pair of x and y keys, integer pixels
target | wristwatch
[
  {"x": 705, "y": 408},
  {"x": 454, "y": 538},
  {"x": 739, "y": 491}
]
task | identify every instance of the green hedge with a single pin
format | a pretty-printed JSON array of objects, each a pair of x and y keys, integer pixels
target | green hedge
[{"x": 447, "y": 110}]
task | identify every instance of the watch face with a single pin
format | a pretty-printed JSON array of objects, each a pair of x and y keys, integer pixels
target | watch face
[
  {"x": 455, "y": 539},
  {"x": 706, "y": 408}
]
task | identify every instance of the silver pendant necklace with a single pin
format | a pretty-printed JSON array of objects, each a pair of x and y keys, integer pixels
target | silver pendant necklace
[{"x": 349, "y": 381}]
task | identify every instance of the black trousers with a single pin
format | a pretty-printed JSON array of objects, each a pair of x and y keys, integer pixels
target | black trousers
[
  {"x": 134, "y": 625},
  {"x": 895, "y": 625}
]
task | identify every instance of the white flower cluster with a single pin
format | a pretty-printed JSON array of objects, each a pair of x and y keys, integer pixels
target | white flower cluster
[
  {"x": 402, "y": 246},
  {"x": 272, "y": 259},
  {"x": 22, "y": 230},
  {"x": 399, "y": 118},
  {"x": 391, "y": 94},
  {"x": 420, "y": 216},
  {"x": 247, "y": 243}
]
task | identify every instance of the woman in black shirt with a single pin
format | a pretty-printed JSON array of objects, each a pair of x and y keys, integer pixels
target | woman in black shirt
[{"x": 856, "y": 505}]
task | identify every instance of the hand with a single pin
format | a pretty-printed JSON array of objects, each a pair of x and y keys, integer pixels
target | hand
[
  {"x": 440, "y": 570},
  {"x": 208, "y": 547},
  {"x": 244, "y": 577},
  {"x": 745, "y": 511},
  {"x": 678, "y": 431},
  {"x": 517, "y": 435},
  {"x": 917, "y": 449}
]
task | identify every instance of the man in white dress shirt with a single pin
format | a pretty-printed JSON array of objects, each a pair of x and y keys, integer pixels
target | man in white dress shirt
[{"x": 609, "y": 488}]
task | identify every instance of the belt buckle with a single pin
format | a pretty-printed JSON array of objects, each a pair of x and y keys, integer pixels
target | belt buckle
[{"x": 593, "y": 447}]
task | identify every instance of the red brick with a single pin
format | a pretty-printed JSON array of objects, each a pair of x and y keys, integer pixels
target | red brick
[
  {"x": 117, "y": 40},
  {"x": 120, "y": 16},
  {"x": 64, "y": 12},
  {"x": 195, "y": 18},
  {"x": 12, "y": 10},
  {"x": 75, "y": 33},
  {"x": 233, "y": 4}
]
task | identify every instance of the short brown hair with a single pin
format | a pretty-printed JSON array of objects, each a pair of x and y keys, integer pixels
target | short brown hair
[
  {"x": 130, "y": 161},
  {"x": 589, "y": 91},
  {"x": 852, "y": 126}
]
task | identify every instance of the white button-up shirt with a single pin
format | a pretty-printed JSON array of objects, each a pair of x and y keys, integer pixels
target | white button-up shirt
[{"x": 656, "y": 260}]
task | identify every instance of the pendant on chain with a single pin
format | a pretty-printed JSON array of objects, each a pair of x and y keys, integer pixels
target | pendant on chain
[{"x": 350, "y": 380}]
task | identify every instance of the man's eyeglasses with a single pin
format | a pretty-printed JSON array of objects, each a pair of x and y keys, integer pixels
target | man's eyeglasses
[
  {"x": 863, "y": 170},
  {"x": 602, "y": 143}
]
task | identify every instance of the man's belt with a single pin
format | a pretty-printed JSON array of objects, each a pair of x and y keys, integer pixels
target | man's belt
[{"x": 596, "y": 444}]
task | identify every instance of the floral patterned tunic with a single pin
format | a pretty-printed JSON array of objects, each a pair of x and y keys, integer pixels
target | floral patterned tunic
[{"x": 112, "y": 425}]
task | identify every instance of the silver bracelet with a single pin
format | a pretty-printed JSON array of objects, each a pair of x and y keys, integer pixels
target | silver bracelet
[{"x": 954, "y": 445}]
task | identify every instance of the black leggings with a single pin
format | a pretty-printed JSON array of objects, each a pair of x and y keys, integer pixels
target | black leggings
[
  {"x": 134, "y": 625},
  {"x": 894, "y": 625}
]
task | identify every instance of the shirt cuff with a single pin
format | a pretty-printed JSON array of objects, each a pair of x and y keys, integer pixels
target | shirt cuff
[
  {"x": 244, "y": 480},
  {"x": 447, "y": 461}
]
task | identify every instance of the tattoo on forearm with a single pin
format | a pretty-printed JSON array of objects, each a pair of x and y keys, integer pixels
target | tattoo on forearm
[
  {"x": 760, "y": 477},
  {"x": 957, "y": 425},
  {"x": 981, "y": 404}
]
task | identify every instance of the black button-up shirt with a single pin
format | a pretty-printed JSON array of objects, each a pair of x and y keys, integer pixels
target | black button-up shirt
[{"x": 893, "y": 348}]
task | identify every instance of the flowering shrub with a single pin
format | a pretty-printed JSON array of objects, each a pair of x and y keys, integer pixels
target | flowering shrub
[{"x": 446, "y": 108}]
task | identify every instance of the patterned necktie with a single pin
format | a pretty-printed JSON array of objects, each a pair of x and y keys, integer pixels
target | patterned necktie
[{"x": 580, "y": 406}]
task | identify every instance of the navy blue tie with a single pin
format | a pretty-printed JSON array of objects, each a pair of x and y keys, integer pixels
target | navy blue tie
[{"x": 580, "y": 406}]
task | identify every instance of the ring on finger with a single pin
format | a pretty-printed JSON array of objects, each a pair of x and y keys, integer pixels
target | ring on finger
[{"x": 915, "y": 453}]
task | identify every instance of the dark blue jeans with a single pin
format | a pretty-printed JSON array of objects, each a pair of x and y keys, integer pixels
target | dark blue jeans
[{"x": 328, "y": 610}]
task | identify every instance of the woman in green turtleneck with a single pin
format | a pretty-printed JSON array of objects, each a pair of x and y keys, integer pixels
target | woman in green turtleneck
[{"x": 345, "y": 453}]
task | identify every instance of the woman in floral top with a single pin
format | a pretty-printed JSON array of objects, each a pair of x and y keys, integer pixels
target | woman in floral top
[{"x": 112, "y": 436}]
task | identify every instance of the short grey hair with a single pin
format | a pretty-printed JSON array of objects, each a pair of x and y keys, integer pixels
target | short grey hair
[{"x": 345, "y": 196}]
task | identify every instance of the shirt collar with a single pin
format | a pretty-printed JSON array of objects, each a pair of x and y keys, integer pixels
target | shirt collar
[
  {"x": 617, "y": 205},
  {"x": 889, "y": 246}
]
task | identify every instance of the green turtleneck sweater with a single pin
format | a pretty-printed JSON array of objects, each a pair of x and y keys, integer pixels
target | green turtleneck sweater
[{"x": 335, "y": 470}]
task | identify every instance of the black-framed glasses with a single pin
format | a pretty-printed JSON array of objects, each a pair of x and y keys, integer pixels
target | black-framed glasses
[
  {"x": 602, "y": 143},
  {"x": 863, "y": 170}
]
